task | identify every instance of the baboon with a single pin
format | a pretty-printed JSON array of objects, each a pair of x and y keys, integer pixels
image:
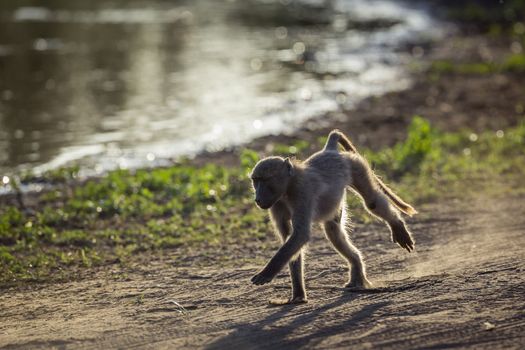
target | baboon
[{"x": 300, "y": 193}]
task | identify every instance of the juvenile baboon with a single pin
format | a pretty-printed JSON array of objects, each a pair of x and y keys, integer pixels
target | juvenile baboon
[{"x": 300, "y": 193}]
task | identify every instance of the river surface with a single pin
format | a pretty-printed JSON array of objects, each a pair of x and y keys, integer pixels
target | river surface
[{"x": 107, "y": 84}]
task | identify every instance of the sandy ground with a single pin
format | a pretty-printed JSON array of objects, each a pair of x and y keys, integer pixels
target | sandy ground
[{"x": 463, "y": 287}]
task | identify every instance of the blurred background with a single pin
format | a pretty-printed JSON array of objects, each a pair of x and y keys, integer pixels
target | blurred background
[{"x": 109, "y": 84}]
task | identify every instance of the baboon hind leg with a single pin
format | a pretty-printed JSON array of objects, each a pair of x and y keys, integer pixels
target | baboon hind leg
[
  {"x": 377, "y": 204},
  {"x": 283, "y": 226},
  {"x": 336, "y": 233}
]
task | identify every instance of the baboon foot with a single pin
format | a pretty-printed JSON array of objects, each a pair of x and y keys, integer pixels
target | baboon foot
[
  {"x": 290, "y": 301},
  {"x": 402, "y": 236},
  {"x": 359, "y": 284},
  {"x": 263, "y": 277}
]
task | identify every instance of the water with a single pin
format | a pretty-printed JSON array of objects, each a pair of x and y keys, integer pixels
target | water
[{"x": 110, "y": 84}]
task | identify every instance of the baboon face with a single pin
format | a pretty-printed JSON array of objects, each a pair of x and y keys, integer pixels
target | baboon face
[{"x": 270, "y": 178}]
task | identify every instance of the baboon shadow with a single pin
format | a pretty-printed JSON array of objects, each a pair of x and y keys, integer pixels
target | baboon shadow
[{"x": 264, "y": 334}]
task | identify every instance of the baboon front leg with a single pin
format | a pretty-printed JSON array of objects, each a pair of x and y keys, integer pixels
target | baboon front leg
[
  {"x": 298, "y": 288},
  {"x": 336, "y": 234},
  {"x": 291, "y": 248},
  {"x": 283, "y": 226},
  {"x": 296, "y": 274}
]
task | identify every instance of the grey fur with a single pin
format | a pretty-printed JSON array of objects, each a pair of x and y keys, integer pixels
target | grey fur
[{"x": 300, "y": 193}]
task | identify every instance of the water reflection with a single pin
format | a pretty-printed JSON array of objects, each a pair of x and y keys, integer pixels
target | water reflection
[{"x": 130, "y": 83}]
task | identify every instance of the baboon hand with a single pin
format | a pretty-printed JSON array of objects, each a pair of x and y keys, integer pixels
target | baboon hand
[
  {"x": 404, "y": 239},
  {"x": 263, "y": 277}
]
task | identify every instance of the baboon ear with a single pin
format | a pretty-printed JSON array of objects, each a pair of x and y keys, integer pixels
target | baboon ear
[{"x": 289, "y": 166}]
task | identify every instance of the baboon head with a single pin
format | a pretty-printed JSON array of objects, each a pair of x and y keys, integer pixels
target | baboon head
[{"x": 270, "y": 178}]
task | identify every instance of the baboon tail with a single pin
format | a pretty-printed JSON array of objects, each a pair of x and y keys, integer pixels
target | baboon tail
[
  {"x": 337, "y": 137},
  {"x": 398, "y": 202}
]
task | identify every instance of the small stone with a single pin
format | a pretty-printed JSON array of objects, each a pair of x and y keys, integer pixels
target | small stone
[{"x": 488, "y": 326}]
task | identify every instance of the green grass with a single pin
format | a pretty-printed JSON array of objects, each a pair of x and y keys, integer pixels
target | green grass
[
  {"x": 111, "y": 219},
  {"x": 513, "y": 64},
  {"x": 432, "y": 164}
]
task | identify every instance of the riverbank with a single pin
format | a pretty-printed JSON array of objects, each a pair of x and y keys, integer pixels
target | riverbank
[{"x": 161, "y": 92}]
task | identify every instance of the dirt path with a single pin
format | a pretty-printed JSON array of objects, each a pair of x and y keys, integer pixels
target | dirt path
[{"x": 463, "y": 287}]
